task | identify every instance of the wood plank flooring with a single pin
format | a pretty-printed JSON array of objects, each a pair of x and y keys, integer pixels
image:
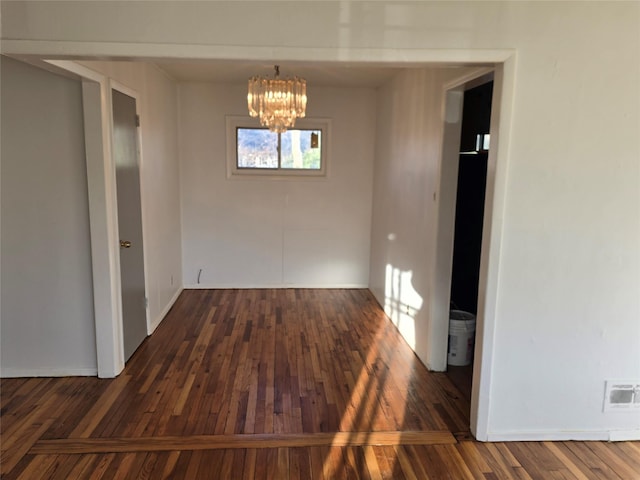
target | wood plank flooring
[{"x": 272, "y": 384}]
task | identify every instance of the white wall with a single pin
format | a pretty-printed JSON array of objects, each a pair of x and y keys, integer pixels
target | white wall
[
  {"x": 266, "y": 232},
  {"x": 568, "y": 269},
  {"x": 409, "y": 133},
  {"x": 159, "y": 177},
  {"x": 557, "y": 309},
  {"x": 47, "y": 295},
  {"x": 408, "y": 261}
]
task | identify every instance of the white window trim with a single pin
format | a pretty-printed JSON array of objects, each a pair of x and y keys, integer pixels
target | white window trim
[{"x": 234, "y": 122}]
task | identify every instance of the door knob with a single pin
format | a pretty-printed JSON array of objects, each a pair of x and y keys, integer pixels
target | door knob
[{"x": 125, "y": 244}]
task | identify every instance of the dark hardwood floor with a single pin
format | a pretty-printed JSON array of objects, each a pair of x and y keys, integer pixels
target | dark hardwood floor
[
  {"x": 272, "y": 384},
  {"x": 462, "y": 379}
]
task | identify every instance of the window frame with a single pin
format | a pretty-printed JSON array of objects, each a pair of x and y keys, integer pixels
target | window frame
[{"x": 235, "y": 122}]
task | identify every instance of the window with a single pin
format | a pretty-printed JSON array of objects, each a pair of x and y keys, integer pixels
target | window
[
  {"x": 300, "y": 151},
  {"x": 293, "y": 149}
]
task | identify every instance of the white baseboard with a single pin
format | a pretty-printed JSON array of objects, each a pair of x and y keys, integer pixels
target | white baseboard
[
  {"x": 220, "y": 286},
  {"x": 48, "y": 372},
  {"x": 164, "y": 311},
  {"x": 560, "y": 436},
  {"x": 624, "y": 435}
]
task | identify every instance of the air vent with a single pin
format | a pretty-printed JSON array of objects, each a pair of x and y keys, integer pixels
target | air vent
[{"x": 622, "y": 395}]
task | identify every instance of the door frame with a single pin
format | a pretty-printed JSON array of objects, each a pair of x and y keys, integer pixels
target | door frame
[
  {"x": 495, "y": 199},
  {"x": 447, "y": 189},
  {"x": 448, "y": 186},
  {"x": 103, "y": 211},
  {"x": 504, "y": 61}
]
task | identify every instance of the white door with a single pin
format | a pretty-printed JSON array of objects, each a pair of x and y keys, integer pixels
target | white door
[
  {"x": 446, "y": 222},
  {"x": 125, "y": 144}
]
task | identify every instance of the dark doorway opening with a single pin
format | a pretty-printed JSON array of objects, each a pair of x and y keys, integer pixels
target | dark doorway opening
[{"x": 472, "y": 182}]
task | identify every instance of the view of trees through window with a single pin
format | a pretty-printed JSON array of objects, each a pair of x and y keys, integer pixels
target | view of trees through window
[{"x": 293, "y": 149}]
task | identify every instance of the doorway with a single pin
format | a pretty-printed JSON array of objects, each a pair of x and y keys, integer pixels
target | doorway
[
  {"x": 468, "y": 229},
  {"x": 132, "y": 274}
]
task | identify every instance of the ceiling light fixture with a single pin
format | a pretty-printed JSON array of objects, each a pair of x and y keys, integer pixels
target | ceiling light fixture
[{"x": 277, "y": 102}]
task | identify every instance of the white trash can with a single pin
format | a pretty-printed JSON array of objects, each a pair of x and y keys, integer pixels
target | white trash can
[{"x": 462, "y": 332}]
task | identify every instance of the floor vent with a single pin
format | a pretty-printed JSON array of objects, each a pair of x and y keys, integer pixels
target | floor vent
[{"x": 621, "y": 395}]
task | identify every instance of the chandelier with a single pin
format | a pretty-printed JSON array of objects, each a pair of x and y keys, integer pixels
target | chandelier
[{"x": 277, "y": 102}]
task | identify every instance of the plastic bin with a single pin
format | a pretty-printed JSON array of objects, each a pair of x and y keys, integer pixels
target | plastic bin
[{"x": 462, "y": 333}]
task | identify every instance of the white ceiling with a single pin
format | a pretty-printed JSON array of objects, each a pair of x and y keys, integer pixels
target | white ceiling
[{"x": 343, "y": 74}]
